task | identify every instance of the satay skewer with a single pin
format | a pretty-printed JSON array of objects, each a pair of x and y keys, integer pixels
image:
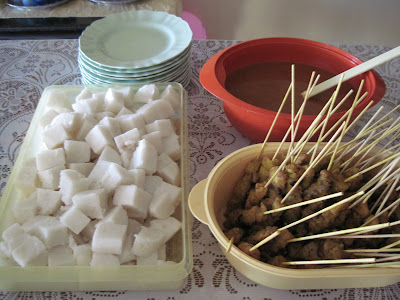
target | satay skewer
[
  {"x": 371, "y": 250},
  {"x": 278, "y": 231},
  {"x": 296, "y": 119},
  {"x": 373, "y": 166},
  {"x": 303, "y": 203},
  {"x": 230, "y": 244},
  {"x": 330, "y": 261},
  {"x": 319, "y": 156},
  {"x": 275, "y": 119}
]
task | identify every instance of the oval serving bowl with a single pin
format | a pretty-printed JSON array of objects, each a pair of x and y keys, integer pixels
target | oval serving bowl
[{"x": 208, "y": 202}]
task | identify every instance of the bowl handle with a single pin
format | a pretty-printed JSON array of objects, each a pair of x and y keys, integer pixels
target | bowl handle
[{"x": 197, "y": 203}]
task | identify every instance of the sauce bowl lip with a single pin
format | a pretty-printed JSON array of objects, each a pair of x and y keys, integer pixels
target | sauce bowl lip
[{"x": 210, "y": 81}]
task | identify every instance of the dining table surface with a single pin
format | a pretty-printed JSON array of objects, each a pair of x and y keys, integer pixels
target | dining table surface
[{"x": 27, "y": 67}]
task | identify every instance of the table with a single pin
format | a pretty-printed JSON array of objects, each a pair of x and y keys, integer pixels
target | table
[{"x": 27, "y": 67}]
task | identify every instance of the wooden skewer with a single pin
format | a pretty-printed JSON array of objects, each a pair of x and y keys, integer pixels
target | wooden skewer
[
  {"x": 348, "y": 199},
  {"x": 365, "y": 236},
  {"x": 292, "y": 113},
  {"x": 371, "y": 250},
  {"x": 330, "y": 261},
  {"x": 372, "y": 167},
  {"x": 266, "y": 240},
  {"x": 230, "y": 244},
  {"x": 275, "y": 119},
  {"x": 303, "y": 203},
  {"x": 394, "y": 244},
  {"x": 297, "y": 117},
  {"x": 323, "y": 151}
]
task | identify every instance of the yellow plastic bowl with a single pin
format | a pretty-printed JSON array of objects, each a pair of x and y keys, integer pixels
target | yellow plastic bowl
[{"x": 208, "y": 201}]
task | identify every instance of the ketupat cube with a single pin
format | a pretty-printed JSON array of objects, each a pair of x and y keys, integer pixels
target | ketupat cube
[
  {"x": 134, "y": 199},
  {"x": 77, "y": 151},
  {"x": 74, "y": 219},
  {"x": 50, "y": 158},
  {"x": 109, "y": 238},
  {"x": 93, "y": 203}
]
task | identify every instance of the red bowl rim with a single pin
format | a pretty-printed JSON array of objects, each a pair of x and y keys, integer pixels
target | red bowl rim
[{"x": 208, "y": 76}]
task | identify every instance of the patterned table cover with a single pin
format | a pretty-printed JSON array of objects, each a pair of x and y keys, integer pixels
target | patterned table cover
[{"x": 27, "y": 67}]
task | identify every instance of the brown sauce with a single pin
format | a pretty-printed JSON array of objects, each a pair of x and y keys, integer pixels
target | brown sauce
[{"x": 264, "y": 85}]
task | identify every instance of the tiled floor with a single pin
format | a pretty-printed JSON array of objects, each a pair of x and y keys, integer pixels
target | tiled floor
[{"x": 331, "y": 21}]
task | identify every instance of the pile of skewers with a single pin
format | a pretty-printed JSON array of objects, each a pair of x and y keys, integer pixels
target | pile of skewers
[{"x": 330, "y": 204}]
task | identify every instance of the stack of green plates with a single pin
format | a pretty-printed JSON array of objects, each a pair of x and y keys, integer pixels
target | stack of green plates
[{"x": 136, "y": 47}]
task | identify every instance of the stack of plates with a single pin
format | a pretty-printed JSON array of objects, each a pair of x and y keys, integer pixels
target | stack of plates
[{"x": 136, "y": 47}]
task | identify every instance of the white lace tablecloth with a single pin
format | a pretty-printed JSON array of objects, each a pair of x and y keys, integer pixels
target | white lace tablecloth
[{"x": 27, "y": 67}]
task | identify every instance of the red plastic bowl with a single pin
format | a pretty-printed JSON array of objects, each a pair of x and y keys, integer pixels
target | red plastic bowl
[{"x": 254, "y": 122}]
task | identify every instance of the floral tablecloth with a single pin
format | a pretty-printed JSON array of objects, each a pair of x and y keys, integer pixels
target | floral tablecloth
[{"x": 27, "y": 67}]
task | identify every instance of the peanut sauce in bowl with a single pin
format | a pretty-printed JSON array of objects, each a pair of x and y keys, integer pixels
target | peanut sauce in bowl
[{"x": 252, "y": 77}]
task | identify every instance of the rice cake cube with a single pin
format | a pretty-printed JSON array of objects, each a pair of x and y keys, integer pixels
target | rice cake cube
[
  {"x": 114, "y": 176},
  {"x": 99, "y": 137},
  {"x": 164, "y": 126},
  {"x": 69, "y": 120},
  {"x": 112, "y": 125},
  {"x": 138, "y": 177},
  {"x": 51, "y": 231},
  {"x": 151, "y": 183},
  {"x": 50, "y": 178},
  {"x": 165, "y": 200},
  {"x": 58, "y": 100},
  {"x": 116, "y": 215},
  {"x": 168, "y": 169},
  {"x": 111, "y": 155},
  {"x": 14, "y": 235},
  {"x": 169, "y": 226},
  {"x": 27, "y": 179},
  {"x": 87, "y": 123},
  {"x": 93, "y": 203},
  {"x": 146, "y": 93},
  {"x": 134, "y": 199},
  {"x": 149, "y": 259},
  {"x": 29, "y": 252},
  {"x": 126, "y": 157},
  {"x": 114, "y": 100},
  {"x": 61, "y": 256},
  {"x": 109, "y": 238},
  {"x": 155, "y": 110},
  {"x": 47, "y": 117},
  {"x": 82, "y": 254},
  {"x": 77, "y": 151},
  {"x": 48, "y": 201},
  {"x": 87, "y": 232},
  {"x": 71, "y": 183},
  {"x": 127, "y": 254},
  {"x": 83, "y": 168},
  {"x": 172, "y": 96},
  {"x": 50, "y": 158},
  {"x": 148, "y": 240},
  {"x": 88, "y": 106},
  {"x": 145, "y": 157},
  {"x": 85, "y": 93},
  {"x": 124, "y": 111},
  {"x": 127, "y": 140},
  {"x": 74, "y": 219},
  {"x": 99, "y": 170},
  {"x": 128, "y": 122},
  {"x": 25, "y": 208},
  {"x": 104, "y": 259},
  {"x": 155, "y": 139},
  {"x": 54, "y": 136},
  {"x": 171, "y": 146}
]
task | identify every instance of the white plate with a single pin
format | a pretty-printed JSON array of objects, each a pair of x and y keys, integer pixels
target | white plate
[{"x": 135, "y": 39}]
